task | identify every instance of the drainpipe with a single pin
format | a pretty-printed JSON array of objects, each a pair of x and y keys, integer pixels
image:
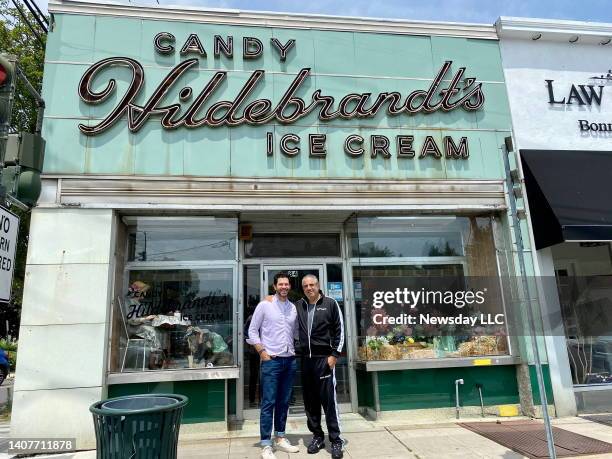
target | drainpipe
[{"x": 457, "y": 382}]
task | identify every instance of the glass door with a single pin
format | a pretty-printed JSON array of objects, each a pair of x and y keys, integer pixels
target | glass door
[
  {"x": 258, "y": 283},
  {"x": 296, "y": 274}
]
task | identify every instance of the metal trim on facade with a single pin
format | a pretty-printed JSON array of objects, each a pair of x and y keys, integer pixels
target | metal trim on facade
[
  {"x": 260, "y": 193},
  {"x": 270, "y": 19}
]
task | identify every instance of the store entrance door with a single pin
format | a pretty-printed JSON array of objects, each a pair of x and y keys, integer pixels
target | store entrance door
[
  {"x": 296, "y": 274},
  {"x": 258, "y": 283}
]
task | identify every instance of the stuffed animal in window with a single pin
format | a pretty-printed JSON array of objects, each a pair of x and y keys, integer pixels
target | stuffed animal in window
[{"x": 209, "y": 346}]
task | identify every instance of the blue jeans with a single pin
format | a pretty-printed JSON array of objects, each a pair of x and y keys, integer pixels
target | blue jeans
[{"x": 276, "y": 382}]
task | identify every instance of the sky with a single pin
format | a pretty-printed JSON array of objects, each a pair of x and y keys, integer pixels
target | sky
[{"x": 473, "y": 11}]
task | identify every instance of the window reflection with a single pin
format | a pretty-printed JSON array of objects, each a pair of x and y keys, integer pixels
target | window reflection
[
  {"x": 176, "y": 315},
  {"x": 469, "y": 241},
  {"x": 292, "y": 245},
  {"x": 384, "y": 237},
  {"x": 178, "y": 319},
  {"x": 584, "y": 282},
  {"x": 154, "y": 239}
]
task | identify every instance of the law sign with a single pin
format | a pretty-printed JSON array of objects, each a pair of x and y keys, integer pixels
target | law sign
[{"x": 9, "y": 227}]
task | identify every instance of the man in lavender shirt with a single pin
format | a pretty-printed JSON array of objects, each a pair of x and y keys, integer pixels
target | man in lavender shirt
[{"x": 272, "y": 331}]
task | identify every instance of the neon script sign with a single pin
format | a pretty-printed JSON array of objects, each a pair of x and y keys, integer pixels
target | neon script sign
[{"x": 446, "y": 92}]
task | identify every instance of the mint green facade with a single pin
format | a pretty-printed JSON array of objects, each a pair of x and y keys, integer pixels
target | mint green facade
[{"x": 340, "y": 62}]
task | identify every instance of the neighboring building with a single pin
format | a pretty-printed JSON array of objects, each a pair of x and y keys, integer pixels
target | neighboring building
[
  {"x": 192, "y": 154},
  {"x": 560, "y": 87}
]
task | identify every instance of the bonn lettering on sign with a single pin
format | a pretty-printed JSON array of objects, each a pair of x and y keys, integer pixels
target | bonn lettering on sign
[{"x": 446, "y": 92}]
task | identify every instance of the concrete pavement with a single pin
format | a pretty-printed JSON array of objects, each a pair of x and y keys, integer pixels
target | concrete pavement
[
  {"x": 373, "y": 440},
  {"x": 424, "y": 441}
]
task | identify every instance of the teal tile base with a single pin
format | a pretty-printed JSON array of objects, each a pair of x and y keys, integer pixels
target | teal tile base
[
  {"x": 206, "y": 398},
  {"x": 231, "y": 397},
  {"x": 365, "y": 390},
  {"x": 547, "y": 385}
]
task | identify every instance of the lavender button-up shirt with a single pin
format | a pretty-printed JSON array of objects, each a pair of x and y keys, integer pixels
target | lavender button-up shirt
[{"x": 274, "y": 325}]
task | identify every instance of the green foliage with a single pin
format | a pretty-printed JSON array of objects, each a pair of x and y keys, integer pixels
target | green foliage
[
  {"x": 8, "y": 345},
  {"x": 16, "y": 38}
]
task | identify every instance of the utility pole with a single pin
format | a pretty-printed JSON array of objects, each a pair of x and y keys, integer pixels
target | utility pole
[{"x": 513, "y": 184}]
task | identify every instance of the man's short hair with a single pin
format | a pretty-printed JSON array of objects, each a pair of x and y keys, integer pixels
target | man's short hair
[
  {"x": 312, "y": 276},
  {"x": 281, "y": 275}
]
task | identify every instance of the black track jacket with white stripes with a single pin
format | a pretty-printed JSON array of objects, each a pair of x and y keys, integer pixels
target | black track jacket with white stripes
[{"x": 326, "y": 336}]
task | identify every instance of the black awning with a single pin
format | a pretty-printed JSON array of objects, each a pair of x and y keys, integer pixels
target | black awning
[{"x": 570, "y": 195}]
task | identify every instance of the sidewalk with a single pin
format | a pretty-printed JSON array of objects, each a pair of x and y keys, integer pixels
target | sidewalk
[{"x": 374, "y": 440}]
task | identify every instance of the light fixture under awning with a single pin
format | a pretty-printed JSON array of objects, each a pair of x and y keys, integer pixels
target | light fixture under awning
[{"x": 570, "y": 195}]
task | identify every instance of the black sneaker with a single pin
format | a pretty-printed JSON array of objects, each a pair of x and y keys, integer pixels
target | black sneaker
[
  {"x": 336, "y": 450},
  {"x": 315, "y": 445}
]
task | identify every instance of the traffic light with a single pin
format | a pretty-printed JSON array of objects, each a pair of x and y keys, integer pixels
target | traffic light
[
  {"x": 21, "y": 156},
  {"x": 7, "y": 90},
  {"x": 23, "y": 164}
]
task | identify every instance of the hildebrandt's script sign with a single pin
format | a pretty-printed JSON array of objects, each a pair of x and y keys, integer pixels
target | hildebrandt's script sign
[{"x": 449, "y": 90}]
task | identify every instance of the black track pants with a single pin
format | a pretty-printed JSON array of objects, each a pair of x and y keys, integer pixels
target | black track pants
[{"x": 319, "y": 386}]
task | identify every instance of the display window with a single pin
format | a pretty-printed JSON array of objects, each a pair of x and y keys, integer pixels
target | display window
[
  {"x": 417, "y": 283},
  {"x": 175, "y": 314},
  {"x": 583, "y": 272}
]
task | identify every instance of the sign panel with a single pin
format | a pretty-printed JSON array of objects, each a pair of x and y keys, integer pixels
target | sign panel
[
  {"x": 213, "y": 100},
  {"x": 9, "y": 228},
  {"x": 559, "y": 104},
  {"x": 334, "y": 290}
]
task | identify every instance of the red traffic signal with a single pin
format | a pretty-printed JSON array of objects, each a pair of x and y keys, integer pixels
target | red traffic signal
[
  {"x": 7, "y": 70},
  {"x": 3, "y": 75}
]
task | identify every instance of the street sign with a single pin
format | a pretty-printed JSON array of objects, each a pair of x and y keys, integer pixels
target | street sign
[{"x": 9, "y": 227}]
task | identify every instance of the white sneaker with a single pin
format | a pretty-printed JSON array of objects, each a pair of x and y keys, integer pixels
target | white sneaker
[
  {"x": 267, "y": 453},
  {"x": 283, "y": 444}
]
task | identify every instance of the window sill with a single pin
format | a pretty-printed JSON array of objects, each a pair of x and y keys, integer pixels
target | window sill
[
  {"x": 173, "y": 375},
  {"x": 414, "y": 364}
]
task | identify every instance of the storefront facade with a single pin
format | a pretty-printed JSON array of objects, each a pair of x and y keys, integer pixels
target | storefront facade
[
  {"x": 193, "y": 154},
  {"x": 558, "y": 79}
]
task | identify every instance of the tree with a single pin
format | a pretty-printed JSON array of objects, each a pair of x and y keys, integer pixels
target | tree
[{"x": 17, "y": 38}]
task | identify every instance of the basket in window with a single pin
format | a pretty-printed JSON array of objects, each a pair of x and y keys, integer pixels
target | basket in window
[{"x": 479, "y": 345}]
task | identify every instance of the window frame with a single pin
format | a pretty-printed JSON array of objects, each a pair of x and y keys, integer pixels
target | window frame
[
  {"x": 197, "y": 265},
  {"x": 379, "y": 365}
]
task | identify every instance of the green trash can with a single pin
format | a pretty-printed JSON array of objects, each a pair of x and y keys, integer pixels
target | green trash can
[{"x": 138, "y": 426}]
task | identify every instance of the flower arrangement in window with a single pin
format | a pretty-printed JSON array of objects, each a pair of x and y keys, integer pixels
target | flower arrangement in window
[{"x": 402, "y": 342}]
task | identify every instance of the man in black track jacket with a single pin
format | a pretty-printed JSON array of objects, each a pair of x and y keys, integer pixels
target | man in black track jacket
[{"x": 321, "y": 333}]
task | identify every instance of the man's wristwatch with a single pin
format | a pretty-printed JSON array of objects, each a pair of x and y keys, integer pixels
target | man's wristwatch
[{"x": 260, "y": 351}]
